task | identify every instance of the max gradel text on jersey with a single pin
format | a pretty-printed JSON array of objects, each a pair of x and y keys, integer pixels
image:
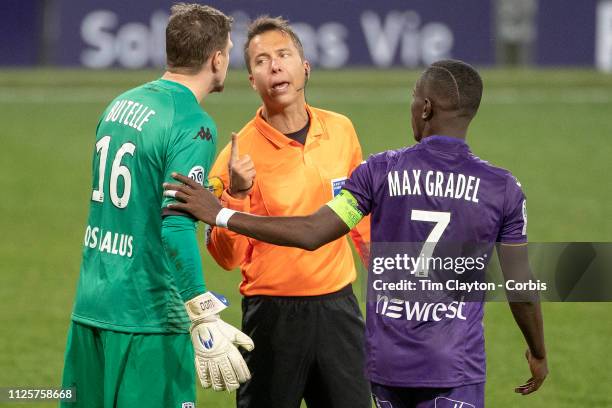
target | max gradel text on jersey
[
  {"x": 436, "y": 184},
  {"x": 108, "y": 241}
]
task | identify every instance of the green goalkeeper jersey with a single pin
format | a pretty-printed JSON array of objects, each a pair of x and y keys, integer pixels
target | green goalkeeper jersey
[{"x": 126, "y": 279}]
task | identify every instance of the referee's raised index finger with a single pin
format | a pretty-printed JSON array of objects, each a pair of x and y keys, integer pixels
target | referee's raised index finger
[{"x": 234, "y": 149}]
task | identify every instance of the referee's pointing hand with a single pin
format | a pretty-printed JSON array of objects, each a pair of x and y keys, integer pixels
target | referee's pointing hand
[{"x": 241, "y": 171}]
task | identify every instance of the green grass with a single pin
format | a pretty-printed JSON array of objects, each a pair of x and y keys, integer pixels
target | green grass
[{"x": 551, "y": 128}]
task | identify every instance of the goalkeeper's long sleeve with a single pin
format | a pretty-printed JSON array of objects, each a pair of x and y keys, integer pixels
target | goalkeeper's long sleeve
[{"x": 181, "y": 245}]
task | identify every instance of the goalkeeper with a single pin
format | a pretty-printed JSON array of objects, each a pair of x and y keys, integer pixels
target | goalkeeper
[{"x": 141, "y": 290}]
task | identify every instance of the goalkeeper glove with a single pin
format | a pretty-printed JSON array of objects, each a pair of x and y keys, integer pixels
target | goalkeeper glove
[{"x": 218, "y": 362}]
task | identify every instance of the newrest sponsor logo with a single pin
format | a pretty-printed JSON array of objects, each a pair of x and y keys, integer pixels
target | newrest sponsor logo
[{"x": 418, "y": 311}]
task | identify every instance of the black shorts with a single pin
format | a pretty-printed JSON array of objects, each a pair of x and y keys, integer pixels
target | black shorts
[{"x": 309, "y": 348}]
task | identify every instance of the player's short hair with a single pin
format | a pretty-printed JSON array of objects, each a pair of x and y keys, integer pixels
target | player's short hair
[
  {"x": 263, "y": 24},
  {"x": 193, "y": 34},
  {"x": 457, "y": 83}
]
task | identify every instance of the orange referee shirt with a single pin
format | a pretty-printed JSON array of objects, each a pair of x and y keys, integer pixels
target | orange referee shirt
[{"x": 292, "y": 179}]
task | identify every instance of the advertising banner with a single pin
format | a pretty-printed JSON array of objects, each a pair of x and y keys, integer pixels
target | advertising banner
[
  {"x": 115, "y": 33},
  {"x": 20, "y": 30}
]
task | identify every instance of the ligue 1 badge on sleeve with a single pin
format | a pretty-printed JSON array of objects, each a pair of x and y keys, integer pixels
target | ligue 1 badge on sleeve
[
  {"x": 197, "y": 174},
  {"x": 188, "y": 405},
  {"x": 337, "y": 184}
]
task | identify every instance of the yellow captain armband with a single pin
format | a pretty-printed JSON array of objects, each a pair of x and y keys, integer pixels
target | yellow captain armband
[{"x": 345, "y": 206}]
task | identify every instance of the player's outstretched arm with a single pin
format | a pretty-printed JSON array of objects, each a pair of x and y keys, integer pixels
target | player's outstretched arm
[
  {"x": 527, "y": 314},
  {"x": 307, "y": 232}
]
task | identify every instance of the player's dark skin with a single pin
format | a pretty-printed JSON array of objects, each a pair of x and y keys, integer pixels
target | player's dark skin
[{"x": 433, "y": 113}]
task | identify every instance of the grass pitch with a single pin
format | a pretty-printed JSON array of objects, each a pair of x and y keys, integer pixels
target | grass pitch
[{"x": 551, "y": 128}]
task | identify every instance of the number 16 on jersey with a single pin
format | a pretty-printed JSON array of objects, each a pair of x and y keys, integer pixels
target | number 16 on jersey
[{"x": 117, "y": 170}]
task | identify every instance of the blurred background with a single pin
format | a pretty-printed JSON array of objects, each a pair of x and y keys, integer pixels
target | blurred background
[
  {"x": 343, "y": 33},
  {"x": 546, "y": 115}
]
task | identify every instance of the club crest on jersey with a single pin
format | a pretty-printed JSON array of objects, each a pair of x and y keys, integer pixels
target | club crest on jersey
[
  {"x": 215, "y": 186},
  {"x": 197, "y": 174},
  {"x": 203, "y": 134},
  {"x": 337, "y": 184}
]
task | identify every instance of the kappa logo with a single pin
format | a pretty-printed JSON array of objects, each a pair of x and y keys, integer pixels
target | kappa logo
[
  {"x": 443, "y": 402},
  {"x": 197, "y": 174},
  {"x": 203, "y": 134}
]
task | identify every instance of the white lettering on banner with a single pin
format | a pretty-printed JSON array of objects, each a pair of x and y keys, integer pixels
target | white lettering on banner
[
  {"x": 434, "y": 41},
  {"x": 109, "y": 41},
  {"x": 133, "y": 49},
  {"x": 382, "y": 39},
  {"x": 326, "y": 45},
  {"x": 135, "y": 45},
  {"x": 603, "y": 47},
  {"x": 93, "y": 33}
]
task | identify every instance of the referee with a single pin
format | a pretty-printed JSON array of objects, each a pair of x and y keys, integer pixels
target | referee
[{"x": 298, "y": 306}]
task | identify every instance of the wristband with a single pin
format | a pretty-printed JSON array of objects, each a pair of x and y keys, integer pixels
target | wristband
[
  {"x": 205, "y": 305},
  {"x": 244, "y": 189},
  {"x": 223, "y": 217}
]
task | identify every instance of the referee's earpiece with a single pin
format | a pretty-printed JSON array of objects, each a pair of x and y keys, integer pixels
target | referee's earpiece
[{"x": 306, "y": 75}]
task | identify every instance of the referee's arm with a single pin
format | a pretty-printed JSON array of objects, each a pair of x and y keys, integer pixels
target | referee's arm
[{"x": 227, "y": 248}]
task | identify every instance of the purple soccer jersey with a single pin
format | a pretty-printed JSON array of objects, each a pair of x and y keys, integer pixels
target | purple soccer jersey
[{"x": 435, "y": 191}]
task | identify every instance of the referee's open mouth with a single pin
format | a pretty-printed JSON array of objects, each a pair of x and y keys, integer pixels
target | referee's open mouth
[{"x": 280, "y": 87}]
